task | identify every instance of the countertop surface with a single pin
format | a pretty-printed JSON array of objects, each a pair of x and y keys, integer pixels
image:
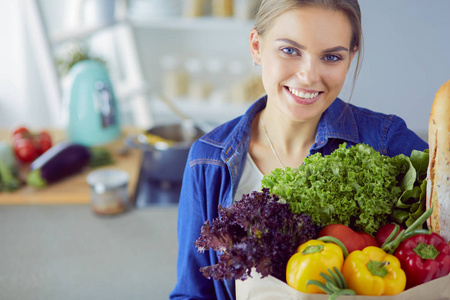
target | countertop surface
[{"x": 56, "y": 252}]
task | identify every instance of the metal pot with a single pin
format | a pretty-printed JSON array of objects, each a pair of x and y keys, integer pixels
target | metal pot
[{"x": 165, "y": 159}]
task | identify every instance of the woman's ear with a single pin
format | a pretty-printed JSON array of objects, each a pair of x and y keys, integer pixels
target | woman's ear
[
  {"x": 352, "y": 55},
  {"x": 255, "y": 45}
]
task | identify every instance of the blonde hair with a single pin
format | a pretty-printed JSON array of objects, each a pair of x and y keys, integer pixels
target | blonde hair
[{"x": 271, "y": 9}]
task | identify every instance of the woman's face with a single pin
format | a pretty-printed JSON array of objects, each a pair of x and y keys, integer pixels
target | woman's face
[{"x": 304, "y": 58}]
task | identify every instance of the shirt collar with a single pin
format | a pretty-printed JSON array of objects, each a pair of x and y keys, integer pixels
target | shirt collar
[
  {"x": 337, "y": 122},
  {"x": 241, "y": 133}
]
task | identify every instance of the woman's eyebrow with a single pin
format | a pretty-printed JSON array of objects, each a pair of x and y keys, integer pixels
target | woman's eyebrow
[
  {"x": 336, "y": 49},
  {"x": 291, "y": 42},
  {"x": 299, "y": 46}
]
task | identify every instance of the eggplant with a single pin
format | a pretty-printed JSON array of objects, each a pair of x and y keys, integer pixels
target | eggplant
[
  {"x": 63, "y": 160},
  {"x": 60, "y": 161}
]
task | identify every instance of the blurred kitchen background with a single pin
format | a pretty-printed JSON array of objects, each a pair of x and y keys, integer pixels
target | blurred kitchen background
[{"x": 196, "y": 53}]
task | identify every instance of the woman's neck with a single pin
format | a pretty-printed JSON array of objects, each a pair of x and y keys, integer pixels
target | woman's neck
[
  {"x": 278, "y": 142},
  {"x": 289, "y": 137}
]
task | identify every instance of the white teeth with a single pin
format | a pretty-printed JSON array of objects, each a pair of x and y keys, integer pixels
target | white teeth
[{"x": 302, "y": 94}]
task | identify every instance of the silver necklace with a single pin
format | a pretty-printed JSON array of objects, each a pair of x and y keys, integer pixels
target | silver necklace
[{"x": 270, "y": 144}]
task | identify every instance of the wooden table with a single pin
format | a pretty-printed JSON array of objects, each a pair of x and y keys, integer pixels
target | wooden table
[{"x": 74, "y": 189}]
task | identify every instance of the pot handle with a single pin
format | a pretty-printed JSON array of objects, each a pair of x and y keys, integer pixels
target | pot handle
[
  {"x": 140, "y": 142},
  {"x": 132, "y": 142}
]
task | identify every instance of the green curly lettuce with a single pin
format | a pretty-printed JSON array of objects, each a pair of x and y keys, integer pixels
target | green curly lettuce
[{"x": 355, "y": 186}]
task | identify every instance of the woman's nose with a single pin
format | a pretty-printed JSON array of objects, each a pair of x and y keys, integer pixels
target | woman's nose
[{"x": 308, "y": 71}]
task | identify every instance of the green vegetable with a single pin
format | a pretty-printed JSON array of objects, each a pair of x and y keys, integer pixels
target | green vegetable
[
  {"x": 8, "y": 182},
  {"x": 355, "y": 186},
  {"x": 412, "y": 203},
  {"x": 100, "y": 157},
  {"x": 8, "y": 179},
  {"x": 335, "y": 285},
  {"x": 7, "y": 155},
  {"x": 258, "y": 232}
]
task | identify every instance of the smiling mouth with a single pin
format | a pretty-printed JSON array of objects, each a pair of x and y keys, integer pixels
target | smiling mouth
[{"x": 301, "y": 94}]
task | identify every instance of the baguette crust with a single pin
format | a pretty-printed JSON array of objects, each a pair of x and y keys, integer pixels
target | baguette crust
[{"x": 438, "y": 187}]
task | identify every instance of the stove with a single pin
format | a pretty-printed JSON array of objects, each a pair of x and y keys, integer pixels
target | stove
[{"x": 151, "y": 192}]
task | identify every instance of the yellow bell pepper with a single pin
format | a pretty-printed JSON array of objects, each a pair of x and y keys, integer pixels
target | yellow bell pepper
[
  {"x": 312, "y": 258},
  {"x": 373, "y": 272}
]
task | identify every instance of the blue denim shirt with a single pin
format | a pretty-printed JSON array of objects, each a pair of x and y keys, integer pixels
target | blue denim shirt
[{"x": 216, "y": 162}]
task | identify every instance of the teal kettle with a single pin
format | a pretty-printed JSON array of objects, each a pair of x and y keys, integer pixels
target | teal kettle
[{"x": 91, "y": 107}]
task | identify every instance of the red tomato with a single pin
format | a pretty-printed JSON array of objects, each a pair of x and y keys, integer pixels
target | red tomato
[
  {"x": 24, "y": 150},
  {"x": 28, "y": 146},
  {"x": 43, "y": 141},
  {"x": 20, "y": 132},
  {"x": 368, "y": 239},
  {"x": 384, "y": 232},
  {"x": 346, "y": 235}
]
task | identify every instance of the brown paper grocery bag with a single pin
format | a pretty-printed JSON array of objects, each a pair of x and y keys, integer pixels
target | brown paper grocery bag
[{"x": 271, "y": 288}]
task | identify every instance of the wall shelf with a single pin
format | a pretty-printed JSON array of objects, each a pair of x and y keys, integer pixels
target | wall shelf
[
  {"x": 172, "y": 23},
  {"x": 81, "y": 33},
  {"x": 201, "y": 23},
  {"x": 212, "y": 112}
]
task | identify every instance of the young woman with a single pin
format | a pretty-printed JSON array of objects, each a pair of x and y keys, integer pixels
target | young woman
[{"x": 304, "y": 48}]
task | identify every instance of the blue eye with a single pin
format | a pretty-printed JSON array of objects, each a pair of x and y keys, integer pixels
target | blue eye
[
  {"x": 289, "y": 51},
  {"x": 332, "y": 57}
]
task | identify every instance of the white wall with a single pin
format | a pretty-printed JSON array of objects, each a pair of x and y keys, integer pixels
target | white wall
[
  {"x": 12, "y": 73},
  {"x": 22, "y": 97},
  {"x": 406, "y": 59}
]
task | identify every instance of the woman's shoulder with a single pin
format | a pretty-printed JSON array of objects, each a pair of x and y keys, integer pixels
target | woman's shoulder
[
  {"x": 372, "y": 119},
  {"x": 364, "y": 112},
  {"x": 210, "y": 147},
  {"x": 388, "y": 133},
  {"x": 365, "y": 117},
  {"x": 219, "y": 136},
  {"x": 229, "y": 134}
]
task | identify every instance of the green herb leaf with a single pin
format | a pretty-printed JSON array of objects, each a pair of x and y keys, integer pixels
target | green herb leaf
[
  {"x": 411, "y": 205},
  {"x": 354, "y": 186},
  {"x": 419, "y": 159}
]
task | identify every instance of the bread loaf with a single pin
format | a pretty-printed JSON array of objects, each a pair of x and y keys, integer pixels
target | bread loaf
[{"x": 438, "y": 175}]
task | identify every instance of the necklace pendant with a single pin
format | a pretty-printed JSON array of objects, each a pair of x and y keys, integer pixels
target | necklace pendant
[{"x": 270, "y": 144}]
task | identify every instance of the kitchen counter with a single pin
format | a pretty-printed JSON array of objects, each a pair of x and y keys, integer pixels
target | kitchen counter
[
  {"x": 74, "y": 189},
  {"x": 63, "y": 250},
  {"x": 55, "y": 252}
]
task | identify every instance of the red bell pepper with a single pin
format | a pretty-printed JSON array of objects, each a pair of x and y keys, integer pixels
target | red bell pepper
[{"x": 424, "y": 257}]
